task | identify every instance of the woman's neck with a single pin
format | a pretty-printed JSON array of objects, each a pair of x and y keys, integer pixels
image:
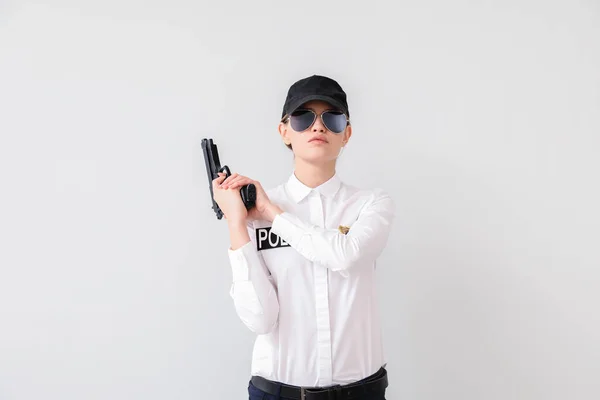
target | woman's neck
[{"x": 313, "y": 175}]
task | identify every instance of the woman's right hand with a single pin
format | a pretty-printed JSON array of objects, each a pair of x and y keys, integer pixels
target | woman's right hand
[{"x": 229, "y": 200}]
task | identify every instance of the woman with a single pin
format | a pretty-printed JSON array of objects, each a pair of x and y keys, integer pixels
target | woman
[{"x": 304, "y": 258}]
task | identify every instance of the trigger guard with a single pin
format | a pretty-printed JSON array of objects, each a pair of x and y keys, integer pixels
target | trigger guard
[{"x": 226, "y": 169}]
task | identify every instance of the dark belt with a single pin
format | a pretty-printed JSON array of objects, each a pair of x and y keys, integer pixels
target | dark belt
[{"x": 374, "y": 384}]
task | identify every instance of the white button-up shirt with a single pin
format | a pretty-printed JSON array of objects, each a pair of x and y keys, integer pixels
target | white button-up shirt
[{"x": 308, "y": 289}]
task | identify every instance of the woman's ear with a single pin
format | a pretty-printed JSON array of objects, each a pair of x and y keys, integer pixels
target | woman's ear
[
  {"x": 283, "y": 132},
  {"x": 347, "y": 134}
]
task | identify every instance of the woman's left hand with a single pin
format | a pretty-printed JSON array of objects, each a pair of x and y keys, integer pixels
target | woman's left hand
[{"x": 264, "y": 209}]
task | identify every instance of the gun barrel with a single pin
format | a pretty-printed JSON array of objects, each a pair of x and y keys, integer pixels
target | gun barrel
[{"x": 211, "y": 160}]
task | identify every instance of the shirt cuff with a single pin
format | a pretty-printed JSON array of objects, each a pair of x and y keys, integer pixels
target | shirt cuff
[{"x": 239, "y": 260}]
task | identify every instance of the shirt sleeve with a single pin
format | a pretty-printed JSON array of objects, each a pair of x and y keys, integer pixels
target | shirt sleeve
[
  {"x": 253, "y": 290},
  {"x": 362, "y": 244}
]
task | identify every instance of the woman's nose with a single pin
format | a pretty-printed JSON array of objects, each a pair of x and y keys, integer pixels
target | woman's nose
[{"x": 318, "y": 125}]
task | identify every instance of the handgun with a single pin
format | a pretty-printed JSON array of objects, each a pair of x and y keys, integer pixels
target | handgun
[{"x": 213, "y": 167}]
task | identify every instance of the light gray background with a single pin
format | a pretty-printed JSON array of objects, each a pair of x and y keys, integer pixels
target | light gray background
[{"x": 481, "y": 119}]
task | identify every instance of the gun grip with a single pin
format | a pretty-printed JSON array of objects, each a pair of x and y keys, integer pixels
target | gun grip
[{"x": 248, "y": 193}]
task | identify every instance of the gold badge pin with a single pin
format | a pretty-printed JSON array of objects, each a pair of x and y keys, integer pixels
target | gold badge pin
[{"x": 343, "y": 229}]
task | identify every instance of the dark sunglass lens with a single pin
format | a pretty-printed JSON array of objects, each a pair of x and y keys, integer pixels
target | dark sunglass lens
[
  {"x": 301, "y": 120},
  {"x": 335, "y": 121}
]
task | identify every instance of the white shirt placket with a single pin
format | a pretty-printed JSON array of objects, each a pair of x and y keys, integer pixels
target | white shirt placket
[{"x": 324, "y": 360}]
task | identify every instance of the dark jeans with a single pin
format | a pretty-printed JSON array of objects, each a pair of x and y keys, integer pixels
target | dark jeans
[{"x": 257, "y": 394}]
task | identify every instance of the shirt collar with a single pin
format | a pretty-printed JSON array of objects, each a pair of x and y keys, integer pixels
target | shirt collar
[{"x": 299, "y": 190}]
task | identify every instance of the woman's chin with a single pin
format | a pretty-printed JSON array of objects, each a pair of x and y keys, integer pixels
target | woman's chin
[{"x": 317, "y": 156}]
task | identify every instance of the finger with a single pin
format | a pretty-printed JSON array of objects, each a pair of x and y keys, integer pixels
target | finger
[
  {"x": 218, "y": 180},
  {"x": 229, "y": 179},
  {"x": 234, "y": 181},
  {"x": 244, "y": 181},
  {"x": 239, "y": 183}
]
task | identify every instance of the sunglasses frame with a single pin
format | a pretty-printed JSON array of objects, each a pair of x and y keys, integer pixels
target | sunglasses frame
[{"x": 287, "y": 117}]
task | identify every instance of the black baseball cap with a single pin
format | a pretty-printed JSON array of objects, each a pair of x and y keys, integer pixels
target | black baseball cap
[{"x": 315, "y": 87}]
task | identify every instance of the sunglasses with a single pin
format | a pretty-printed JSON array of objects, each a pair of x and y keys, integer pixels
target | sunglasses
[{"x": 302, "y": 119}]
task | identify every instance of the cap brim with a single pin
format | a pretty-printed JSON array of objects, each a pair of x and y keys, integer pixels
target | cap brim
[{"x": 294, "y": 106}]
